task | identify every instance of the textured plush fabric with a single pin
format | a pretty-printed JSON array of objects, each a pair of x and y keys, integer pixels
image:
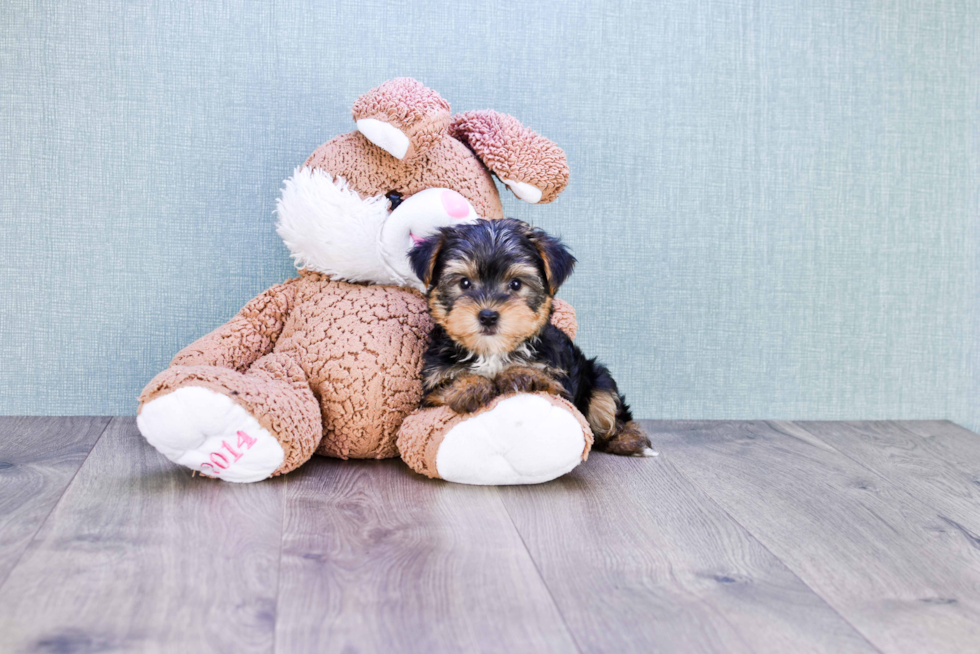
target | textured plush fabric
[
  {"x": 275, "y": 391},
  {"x": 312, "y": 347},
  {"x": 774, "y": 203},
  {"x": 358, "y": 348},
  {"x": 423, "y": 431},
  {"x": 346, "y": 348},
  {"x": 563, "y": 317},
  {"x": 441, "y": 154},
  {"x": 407, "y": 104},
  {"x": 513, "y": 152},
  {"x": 371, "y": 170}
]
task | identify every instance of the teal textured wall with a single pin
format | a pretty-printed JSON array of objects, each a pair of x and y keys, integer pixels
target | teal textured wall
[{"x": 775, "y": 203}]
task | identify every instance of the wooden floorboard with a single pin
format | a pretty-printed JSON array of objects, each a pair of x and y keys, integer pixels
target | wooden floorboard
[
  {"x": 740, "y": 537},
  {"x": 137, "y": 556},
  {"x": 38, "y": 458},
  {"x": 937, "y": 461},
  {"x": 885, "y": 560},
  {"x": 378, "y": 559},
  {"x": 639, "y": 560}
]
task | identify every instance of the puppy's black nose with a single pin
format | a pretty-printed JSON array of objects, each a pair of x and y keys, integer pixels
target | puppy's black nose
[{"x": 488, "y": 318}]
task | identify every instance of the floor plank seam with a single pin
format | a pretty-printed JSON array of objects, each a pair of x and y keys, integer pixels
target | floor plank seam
[
  {"x": 876, "y": 523},
  {"x": 282, "y": 541},
  {"x": 54, "y": 506},
  {"x": 902, "y": 425},
  {"x": 544, "y": 583},
  {"x": 880, "y": 475},
  {"x": 664, "y": 451}
]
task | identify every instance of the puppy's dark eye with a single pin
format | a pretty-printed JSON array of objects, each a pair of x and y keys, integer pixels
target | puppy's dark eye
[
  {"x": 465, "y": 284},
  {"x": 515, "y": 285}
]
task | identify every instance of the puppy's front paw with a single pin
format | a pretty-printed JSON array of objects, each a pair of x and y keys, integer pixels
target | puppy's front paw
[
  {"x": 464, "y": 395},
  {"x": 470, "y": 393},
  {"x": 522, "y": 379}
]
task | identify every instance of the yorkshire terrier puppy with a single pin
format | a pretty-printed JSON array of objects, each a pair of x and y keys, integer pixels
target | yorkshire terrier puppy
[{"x": 490, "y": 287}]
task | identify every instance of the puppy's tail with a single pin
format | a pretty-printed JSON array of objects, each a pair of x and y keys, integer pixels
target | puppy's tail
[{"x": 612, "y": 422}]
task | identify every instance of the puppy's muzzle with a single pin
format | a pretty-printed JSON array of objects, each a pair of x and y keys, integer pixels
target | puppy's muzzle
[{"x": 488, "y": 318}]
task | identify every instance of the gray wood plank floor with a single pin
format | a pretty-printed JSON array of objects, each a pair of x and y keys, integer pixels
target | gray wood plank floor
[
  {"x": 740, "y": 537},
  {"x": 38, "y": 458},
  {"x": 377, "y": 559}
]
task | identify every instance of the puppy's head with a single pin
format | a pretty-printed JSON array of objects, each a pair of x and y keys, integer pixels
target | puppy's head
[{"x": 490, "y": 283}]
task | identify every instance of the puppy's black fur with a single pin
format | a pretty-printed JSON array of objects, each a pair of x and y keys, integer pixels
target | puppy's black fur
[{"x": 490, "y": 287}]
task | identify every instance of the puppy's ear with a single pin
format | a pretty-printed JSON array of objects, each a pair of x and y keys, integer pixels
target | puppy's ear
[
  {"x": 423, "y": 258},
  {"x": 558, "y": 261}
]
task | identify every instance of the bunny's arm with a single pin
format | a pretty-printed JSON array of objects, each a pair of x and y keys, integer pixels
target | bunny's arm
[
  {"x": 563, "y": 317},
  {"x": 251, "y": 334}
]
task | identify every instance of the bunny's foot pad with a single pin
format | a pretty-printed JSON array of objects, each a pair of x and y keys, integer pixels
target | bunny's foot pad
[
  {"x": 516, "y": 439},
  {"x": 206, "y": 431}
]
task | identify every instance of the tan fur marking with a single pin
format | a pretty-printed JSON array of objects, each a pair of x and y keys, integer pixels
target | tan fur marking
[
  {"x": 464, "y": 267},
  {"x": 543, "y": 315},
  {"x": 438, "y": 379},
  {"x": 436, "y": 308},
  {"x": 517, "y": 323},
  {"x": 523, "y": 271},
  {"x": 527, "y": 379},
  {"x": 462, "y": 325},
  {"x": 547, "y": 271},
  {"x": 465, "y": 394},
  {"x": 544, "y": 258},
  {"x": 432, "y": 263},
  {"x": 602, "y": 413}
]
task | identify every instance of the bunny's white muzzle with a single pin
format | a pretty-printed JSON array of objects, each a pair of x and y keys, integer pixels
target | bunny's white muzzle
[{"x": 330, "y": 229}]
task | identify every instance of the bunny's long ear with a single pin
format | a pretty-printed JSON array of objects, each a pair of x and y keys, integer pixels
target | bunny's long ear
[
  {"x": 533, "y": 167},
  {"x": 402, "y": 116}
]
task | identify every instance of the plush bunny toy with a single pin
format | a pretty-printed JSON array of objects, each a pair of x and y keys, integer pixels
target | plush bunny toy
[{"x": 329, "y": 362}]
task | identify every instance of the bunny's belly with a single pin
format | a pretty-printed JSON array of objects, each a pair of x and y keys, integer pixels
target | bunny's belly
[{"x": 361, "y": 347}]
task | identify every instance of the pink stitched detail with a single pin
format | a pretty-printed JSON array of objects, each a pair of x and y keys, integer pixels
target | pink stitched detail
[{"x": 244, "y": 440}]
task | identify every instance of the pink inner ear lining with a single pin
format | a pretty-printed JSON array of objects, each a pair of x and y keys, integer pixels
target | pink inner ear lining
[{"x": 455, "y": 204}]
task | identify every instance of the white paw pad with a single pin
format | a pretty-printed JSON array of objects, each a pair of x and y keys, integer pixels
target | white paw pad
[
  {"x": 208, "y": 432},
  {"x": 523, "y": 440}
]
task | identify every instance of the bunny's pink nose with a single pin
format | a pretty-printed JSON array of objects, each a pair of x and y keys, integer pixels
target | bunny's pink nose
[{"x": 455, "y": 204}]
